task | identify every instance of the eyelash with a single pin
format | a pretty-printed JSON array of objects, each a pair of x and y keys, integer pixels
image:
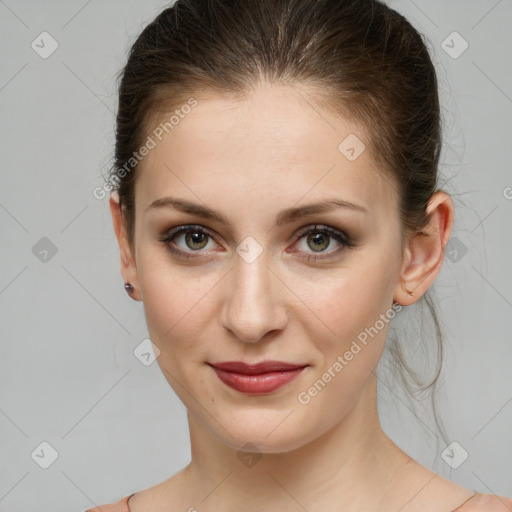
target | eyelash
[{"x": 341, "y": 238}]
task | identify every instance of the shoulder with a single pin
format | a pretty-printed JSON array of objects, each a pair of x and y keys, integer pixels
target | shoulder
[
  {"x": 118, "y": 506},
  {"x": 486, "y": 503},
  {"x": 426, "y": 490}
]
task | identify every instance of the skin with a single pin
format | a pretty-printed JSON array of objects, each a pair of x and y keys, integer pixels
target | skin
[{"x": 249, "y": 159}]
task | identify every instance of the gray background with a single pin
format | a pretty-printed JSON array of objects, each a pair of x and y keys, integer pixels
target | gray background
[{"x": 68, "y": 373}]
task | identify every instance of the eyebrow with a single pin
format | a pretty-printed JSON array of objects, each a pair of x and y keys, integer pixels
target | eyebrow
[{"x": 286, "y": 216}]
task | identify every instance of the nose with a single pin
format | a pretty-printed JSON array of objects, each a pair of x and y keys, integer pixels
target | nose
[{"x": 254, "y": 310}]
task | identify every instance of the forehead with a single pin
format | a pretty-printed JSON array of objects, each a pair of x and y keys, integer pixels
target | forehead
[{"x": 274, "y": 145}]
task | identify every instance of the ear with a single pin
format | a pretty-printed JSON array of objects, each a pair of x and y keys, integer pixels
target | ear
[
  {"x": 128, "y": 265},
  {"x": 424, "y": 251}
]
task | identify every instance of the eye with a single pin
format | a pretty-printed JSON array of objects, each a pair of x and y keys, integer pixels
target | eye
[
  {"x": 195, "y": 238},
  {"x": 320, "y": 239}
]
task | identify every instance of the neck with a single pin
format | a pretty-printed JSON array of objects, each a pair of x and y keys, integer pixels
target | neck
[{"x": 350, "y": 466}]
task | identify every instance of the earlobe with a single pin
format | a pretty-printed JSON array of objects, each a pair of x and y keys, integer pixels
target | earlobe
[
  {"x": 128, "y": 267},
  {"x": 424, "y": 251}
]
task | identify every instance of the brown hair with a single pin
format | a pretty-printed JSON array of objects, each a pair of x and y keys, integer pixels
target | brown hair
[{"x": 366, "y": 60}]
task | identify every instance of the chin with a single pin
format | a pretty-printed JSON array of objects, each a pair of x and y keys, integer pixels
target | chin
[
  {"x": 276, "y": 432},
  {"x": 264, "y": 445}
]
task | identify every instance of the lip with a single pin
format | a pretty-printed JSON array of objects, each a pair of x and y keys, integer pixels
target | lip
[{"x": 258, "y": 378}]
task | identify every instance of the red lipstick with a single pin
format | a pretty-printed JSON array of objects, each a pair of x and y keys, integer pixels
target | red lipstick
[{"x": 263, "y": 377}]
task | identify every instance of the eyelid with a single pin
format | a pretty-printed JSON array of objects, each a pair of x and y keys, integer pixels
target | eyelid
[
  {"x": 323, "y": 228},
  {"x": 187, "y": 227}
]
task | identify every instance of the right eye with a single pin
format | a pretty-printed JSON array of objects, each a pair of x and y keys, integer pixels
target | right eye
[{"x": 195, "y": 238}]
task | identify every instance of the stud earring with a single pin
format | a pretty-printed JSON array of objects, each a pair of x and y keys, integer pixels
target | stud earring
[{"x": 129, "y": 288}]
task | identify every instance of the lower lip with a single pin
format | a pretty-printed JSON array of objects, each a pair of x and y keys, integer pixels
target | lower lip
[{"x": 257, "y": 384}]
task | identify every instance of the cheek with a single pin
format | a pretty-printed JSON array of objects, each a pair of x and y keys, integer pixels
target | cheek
[
  {"x": 351, "y": 306},
  {"x": 354, "y": 298},
  {"x": 175, "y": 309},
  {"x": 175, "y": 299}
]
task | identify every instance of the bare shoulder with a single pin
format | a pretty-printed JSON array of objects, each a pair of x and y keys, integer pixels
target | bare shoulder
[
  {"x": 424, "y": 489},
  {"x": 158, "y": 497}
]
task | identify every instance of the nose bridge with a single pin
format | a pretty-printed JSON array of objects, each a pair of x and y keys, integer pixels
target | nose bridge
[{"x": 252, "y": 308}]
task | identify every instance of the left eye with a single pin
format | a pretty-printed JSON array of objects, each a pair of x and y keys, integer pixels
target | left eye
[
  {"x": 320, "y": 239},
  {"x": 196, "y": 239}
]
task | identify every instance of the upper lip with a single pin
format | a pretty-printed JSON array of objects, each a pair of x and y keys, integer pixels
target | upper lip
[{"x": 256, "y": 368}]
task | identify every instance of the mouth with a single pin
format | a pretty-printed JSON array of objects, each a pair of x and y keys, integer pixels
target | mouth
[{"x": 259, "y": 378}]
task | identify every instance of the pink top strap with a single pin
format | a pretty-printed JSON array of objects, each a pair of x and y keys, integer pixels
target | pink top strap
[
  {"x": 118, "y": 506},
  {"x": 485, "y": 503}
]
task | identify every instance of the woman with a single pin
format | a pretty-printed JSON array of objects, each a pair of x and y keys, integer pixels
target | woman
[{"x": 276, "y": 201}]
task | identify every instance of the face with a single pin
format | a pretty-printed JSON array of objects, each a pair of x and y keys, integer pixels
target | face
[{"x": 264, "y": 278}]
